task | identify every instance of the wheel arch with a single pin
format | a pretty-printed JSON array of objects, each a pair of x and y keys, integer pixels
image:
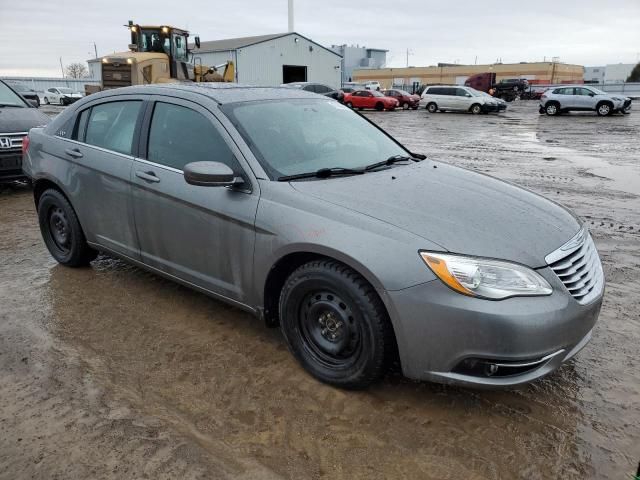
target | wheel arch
[
  {"x": 40, "y": 185},
  {"x": 289, "y": 261}
]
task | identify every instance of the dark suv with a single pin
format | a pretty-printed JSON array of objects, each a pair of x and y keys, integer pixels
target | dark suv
[
  {"x": 17, "y": 117},
  {"x": 29, "y": 93},
  {"x": 325, "y": 90}
]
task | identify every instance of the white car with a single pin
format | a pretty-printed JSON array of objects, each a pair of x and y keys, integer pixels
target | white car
[
  {"x": 583, "y": 98},
  {"x": 60, "y": 95},
  {"x": 458, "y": 98},
  {"x": 372, "y": 86}
]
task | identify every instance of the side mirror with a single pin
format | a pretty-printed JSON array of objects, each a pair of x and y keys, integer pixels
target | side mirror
[
  {"x": 468, "y": 95},
  {"x": 592, "y": 94},
  {"x": 197, "y": 41},
  {"x": 33, "y": 103},
  {"x": 210, "y": 174}
]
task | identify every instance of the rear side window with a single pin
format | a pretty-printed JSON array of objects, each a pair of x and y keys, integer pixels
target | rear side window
[
  {"x": 179, "y": 135},
  {"x": 111, "y": 125},
  {"x": 461, "y": 92}
]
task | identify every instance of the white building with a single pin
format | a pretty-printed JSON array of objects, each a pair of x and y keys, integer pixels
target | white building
[
  {"x": 355, "y": 57},
  {"x": 618, "y": 72},
  {"x": 610, "y": 73},
  {"x": 271, "y": 60}
]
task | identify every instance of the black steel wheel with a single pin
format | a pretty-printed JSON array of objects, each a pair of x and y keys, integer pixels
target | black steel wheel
[
  {"x": 61, "y": 230},
  {"x": 335, "y": 324}
]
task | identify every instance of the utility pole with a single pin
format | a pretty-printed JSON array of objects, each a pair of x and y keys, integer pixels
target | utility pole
[
  {"x": 61, "y": 67},
  {"x": 291, "y": 26},
  {"x": 409, "y": 52},
  {"x": 95, "y": 49}
]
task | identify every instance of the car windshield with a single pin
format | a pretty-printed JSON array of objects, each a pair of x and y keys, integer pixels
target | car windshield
[
  {"x": 19, "y": 87},
  {"x": 65, "y": 90},
  {"x": 474, "y": 92},
  {"x": 597, "y": 91},
  {"x": 9, "y": 98},
  {"x": 294, "y": 136}
]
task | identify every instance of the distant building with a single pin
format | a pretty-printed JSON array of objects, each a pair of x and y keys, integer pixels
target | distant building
[
  {"x": 618, "y": 72},
  {"x": 355, "y": 57},
  {"x": 448, "y": 74},
  {"x": 270, "y": 60},
  {"x": 594, "y": 74}
]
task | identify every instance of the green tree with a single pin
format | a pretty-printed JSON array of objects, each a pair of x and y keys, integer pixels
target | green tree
[{"x": 635, "y": 74}]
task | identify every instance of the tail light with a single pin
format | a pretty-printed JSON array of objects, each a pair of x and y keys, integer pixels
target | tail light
[{"x": 25, "y": 145}]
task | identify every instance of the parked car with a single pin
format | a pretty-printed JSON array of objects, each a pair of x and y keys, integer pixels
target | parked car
[
  {"x": 17, "y": 116},
  {"x": 362, "y": 99},
  {"x": 583, "y": 98},
  {"x": 26, "y": 92},
  {"x": 458, "y": 98},
  {"x": 60, "y": 95},
  {"x": 295, "y": 208},
  {"x": 325, "y": 90},
  {"x": 372, "y": 86},
  {"x": 405, "y": 99}
]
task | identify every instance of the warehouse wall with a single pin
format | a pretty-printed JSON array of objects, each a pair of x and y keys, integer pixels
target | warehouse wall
[
  {"x": 42, "y": 83},
  {"x": 261, "y": 64},
  {"x": 540, "y": 72}
]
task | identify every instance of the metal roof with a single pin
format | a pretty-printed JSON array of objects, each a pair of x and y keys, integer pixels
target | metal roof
[{"x": 242, "y": 42}]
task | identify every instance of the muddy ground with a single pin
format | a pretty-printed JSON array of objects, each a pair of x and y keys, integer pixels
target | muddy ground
[{"x": 110, "y": 372}]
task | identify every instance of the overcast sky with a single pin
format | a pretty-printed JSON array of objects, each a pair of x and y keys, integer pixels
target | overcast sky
[{"x": 35, "y": 34}]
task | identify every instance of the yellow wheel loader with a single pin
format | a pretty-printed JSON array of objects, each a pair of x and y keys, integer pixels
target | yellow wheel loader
[{"x": 158, "y": 54}]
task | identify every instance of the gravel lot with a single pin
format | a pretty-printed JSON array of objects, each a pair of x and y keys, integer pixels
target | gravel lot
[{"x": 110, "y": 372}]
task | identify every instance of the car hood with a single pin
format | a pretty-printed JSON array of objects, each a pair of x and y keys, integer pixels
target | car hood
[
  {"x": 462, "y": 211},
  {"x": 21, "y": 119}
]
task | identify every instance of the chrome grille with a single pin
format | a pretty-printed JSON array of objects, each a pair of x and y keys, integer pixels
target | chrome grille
[
  {"x": 577, "y": 265},
  {"x": 11, "y": 142}
]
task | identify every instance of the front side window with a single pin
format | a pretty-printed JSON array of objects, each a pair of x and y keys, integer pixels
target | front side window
[
  {"x": 112, "y": 125},
  {"x": 180, "y": 135},
  {"x": 180, "y": 47},
  {"x": 9, "y": 97},
  {"x": 304, "y": 135}
]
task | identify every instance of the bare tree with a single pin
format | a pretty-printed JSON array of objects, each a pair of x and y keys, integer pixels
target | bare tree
[
  {"x": 76, "y": 70},
  {"x": 635, "y": 74}
]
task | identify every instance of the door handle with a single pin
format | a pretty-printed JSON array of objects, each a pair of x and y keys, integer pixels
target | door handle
[
  {"x": 147, "y": 176},
  {"x": 73, "y": 152}
]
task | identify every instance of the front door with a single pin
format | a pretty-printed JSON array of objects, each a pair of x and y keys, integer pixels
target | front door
[
  {"x": 202, "y": 235},
  {"x": 584, "y": 98}
]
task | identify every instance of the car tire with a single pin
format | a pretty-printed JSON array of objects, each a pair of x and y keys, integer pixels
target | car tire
[
  {"x": 349, "y": 104},
  {"x": 405, "y": 106},
  {"x": 432, "y": 107},
  {"x": 625, "y": 111},
  {"x": 46, "y": 101},
  {"x": 552, "y": 109},
  {"x": 541, "y": 110},
  {"x": 476, "y": 109},
  {"x": 604, "y": 109},
  {"x": 379, "y": 106},
  {"x": 61, "y": 230},
  {"x": 335, "y": 324}
]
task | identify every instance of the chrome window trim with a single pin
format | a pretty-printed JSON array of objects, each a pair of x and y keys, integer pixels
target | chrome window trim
[
  {"x": 159, "y": 165},
  {"x": 95, "y": 147}
]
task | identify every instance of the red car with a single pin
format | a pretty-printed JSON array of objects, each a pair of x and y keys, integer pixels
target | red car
[
  {"x": 370, "y": 99},
  {"x": 405, "y": 99}
]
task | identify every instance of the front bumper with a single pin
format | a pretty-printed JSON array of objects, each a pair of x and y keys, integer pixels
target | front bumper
[
  {"x": 493, "y": 108},
  {"x": 442, "y": 335}
]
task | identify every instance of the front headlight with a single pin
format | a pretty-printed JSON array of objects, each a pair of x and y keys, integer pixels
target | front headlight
[{"x": 484, "y": 277}]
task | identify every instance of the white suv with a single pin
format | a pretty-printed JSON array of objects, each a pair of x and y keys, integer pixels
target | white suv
[
  {"x": 585, "y": 98},
  {"x": 454, "y": 97}
]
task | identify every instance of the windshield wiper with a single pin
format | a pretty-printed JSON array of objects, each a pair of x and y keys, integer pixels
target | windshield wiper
[
  {"x": 322, "y": 173},
  {"x": 390, "y": 161}
]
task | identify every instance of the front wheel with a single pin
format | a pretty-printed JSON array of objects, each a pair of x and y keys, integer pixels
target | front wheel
[
  {"x": 46, "y": 101},
  {"x": 476, "y": 109},
  {"x": 405, "y": 106},
  {"x": 379, "y": 106},
  {"x": 432, "y": 108},
  {"x": 552, "y": 109},
  {"x": 604, "y": 109},
  {"x": 335, "y": 324},
  {"x": 61, "y": 230},
  {"x": 349, "y": 104}
]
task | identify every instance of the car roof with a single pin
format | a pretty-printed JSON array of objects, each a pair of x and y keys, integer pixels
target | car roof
[{"x": 222, "y": 93}]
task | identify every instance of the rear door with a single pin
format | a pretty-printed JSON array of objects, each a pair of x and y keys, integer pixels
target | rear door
[
  {"x": 202, "y": 235},
  {"x": 100, "y": 154}
]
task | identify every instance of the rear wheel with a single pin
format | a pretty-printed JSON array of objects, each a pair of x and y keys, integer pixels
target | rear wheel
[
  {"x": 432, "y": 107},
  {"x": 46, "y": 101},
  {"x": 61, "y": 230},
  {"x": 552, "y": 108},
  {"x": 603, "y": 109},
  {"x": 476, "y": 109},
  {"x": 335, "y": 324},
  {"x": 349, "y": 104}
]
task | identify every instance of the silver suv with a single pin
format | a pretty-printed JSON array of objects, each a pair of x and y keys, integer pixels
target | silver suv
[{"x": 583, "y": 98}]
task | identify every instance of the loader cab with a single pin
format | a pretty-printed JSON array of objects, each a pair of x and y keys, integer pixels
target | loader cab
[{"x": 164, "y": 39}]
